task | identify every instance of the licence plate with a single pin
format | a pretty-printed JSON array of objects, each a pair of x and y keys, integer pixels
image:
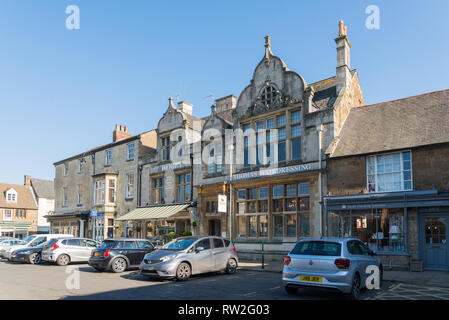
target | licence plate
[
  {"x": 97, "y": 254},
  {"x": 310, "y": 279}
]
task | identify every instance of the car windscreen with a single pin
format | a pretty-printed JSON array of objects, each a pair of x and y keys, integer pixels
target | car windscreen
[
  {"x": 317, "y": 248},
  {"x": 29, "y": 239},
  {"x": 110, "y": 245},
  {"x": 178, "y": 244}
]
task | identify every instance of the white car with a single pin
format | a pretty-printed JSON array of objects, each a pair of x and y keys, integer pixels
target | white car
[
  {"x": 6, "y": 244},
  {"x": 33, "y": 241}
]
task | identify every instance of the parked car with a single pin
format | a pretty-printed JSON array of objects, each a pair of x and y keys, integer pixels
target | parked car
[
  {"x": 186, "y": 256},
  {"x": 119, "y": 255},
  {"x": 64, "y": 251},
  {"x": 34, "y": 241},
  {"x": 160, "y": 240},
  {"x": 5, "y": 244},
  {"x": 30, "y": 255},
  {"x": 332, "y": 263}
]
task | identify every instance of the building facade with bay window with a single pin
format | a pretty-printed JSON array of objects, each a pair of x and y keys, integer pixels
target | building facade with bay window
[{"x": 388, "y": 180}]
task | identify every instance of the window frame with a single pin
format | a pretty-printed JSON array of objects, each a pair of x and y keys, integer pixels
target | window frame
[
  {"x": 130, "y": 147},
  {"x": 375, "y": 173}
]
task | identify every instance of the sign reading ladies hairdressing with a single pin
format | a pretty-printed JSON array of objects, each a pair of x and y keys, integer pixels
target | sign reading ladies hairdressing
[{"x": 268, "y": 172}]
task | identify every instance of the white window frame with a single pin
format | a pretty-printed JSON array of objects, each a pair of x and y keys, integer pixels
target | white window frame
[
  {"x": 127, "y": 187},
  {"x": 99, "y": 192},
  {"x": 11, "y": 196},
  {"x": 401, "y": 153},
  {"x": 114, "y": 190},
  {"x": 128, "y": 153},
  {"x": 5, "y": 216},
  {"x": 108, "y": 157}
]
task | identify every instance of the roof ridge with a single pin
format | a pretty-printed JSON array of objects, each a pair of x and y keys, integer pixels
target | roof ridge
[{"x": 400, "y": 99}]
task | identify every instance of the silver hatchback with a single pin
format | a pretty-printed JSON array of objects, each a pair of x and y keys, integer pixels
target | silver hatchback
[
  {"x": 332, "y": 263},
  {"x": 65, "y": 251},
  {"x": 187, "y": 256}
]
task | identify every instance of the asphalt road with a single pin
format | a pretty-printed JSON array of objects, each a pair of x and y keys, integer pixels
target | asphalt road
[{"x": 46, "y": 281}]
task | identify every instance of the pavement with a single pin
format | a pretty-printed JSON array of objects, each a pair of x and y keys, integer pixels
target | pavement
[{"x": 425, "y": 278}]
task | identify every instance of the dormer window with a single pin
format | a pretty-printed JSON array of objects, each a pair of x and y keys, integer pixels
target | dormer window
[
  {"x": 11, "y": 195},
  {"x": 269, "y": 94}
]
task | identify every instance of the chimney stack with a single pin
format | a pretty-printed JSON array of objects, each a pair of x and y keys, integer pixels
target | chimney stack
[
  {"x": 27, "y": 181},
  {"x": 344, "y": 75},
  {"x": 120, "y": 133},
  {"x": 185, "y": 107}
]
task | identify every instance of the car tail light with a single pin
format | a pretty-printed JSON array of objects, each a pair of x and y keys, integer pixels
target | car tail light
[
  {"x": 233, "y": 249},
  {"x": 55, "y": 246},
  {"x": 342, "y": 263},
  {"x": 91, "y": 253},
  {"x": 287, "y": 260},
  {"x": 106, "y": 253}
]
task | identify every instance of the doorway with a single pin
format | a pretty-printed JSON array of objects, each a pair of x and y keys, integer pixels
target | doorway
[
  {"x": 434, "y": 247},
  {"x": 215, "y": 228}
]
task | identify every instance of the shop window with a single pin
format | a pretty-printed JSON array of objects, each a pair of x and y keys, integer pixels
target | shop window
[
  {"x": 389, "y": 172},
  {"x": 252, "y": 226},
  {"x": 382, "y": 229},
  {"x": 242, "y": 232},
  {"x": 278, "y": 225}
]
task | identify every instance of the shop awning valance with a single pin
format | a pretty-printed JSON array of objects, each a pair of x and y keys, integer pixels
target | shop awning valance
[{"x": 159, "y": 212}]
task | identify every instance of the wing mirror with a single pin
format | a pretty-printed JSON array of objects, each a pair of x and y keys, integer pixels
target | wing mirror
[{"x": 199, "y": 249}]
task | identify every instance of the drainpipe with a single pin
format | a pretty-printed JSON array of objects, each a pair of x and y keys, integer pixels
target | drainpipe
[
  {"x": 231, "y": 149},
  {"x": 319, "y": 128},
  {"x": 139, "y": 185}
]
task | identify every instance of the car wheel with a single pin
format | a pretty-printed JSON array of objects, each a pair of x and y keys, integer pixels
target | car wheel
[
  {"x": 355, "y": 288},
  {"x": 291, "y": 290},
  {"x": 63, "y": 260},
  {"x": 231, "y": 267},
  {"x": 35, "y": 258},
  {"x": 183, "y": 272},
  {"x": 118, "y": 265}
]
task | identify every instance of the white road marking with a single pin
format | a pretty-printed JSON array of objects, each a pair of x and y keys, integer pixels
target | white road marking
[
  {"x": 274, "y": 288},
  {"x": 250, "y": 293}
]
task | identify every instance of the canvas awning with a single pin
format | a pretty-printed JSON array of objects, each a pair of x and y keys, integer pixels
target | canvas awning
[{"x": 159, "y": 212}]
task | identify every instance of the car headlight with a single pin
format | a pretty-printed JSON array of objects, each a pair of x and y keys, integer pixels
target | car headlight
[
  {"x": 26, "y": 252},
  {"x": 168, "y": 258}
]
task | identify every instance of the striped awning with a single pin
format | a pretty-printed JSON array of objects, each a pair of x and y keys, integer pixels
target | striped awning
[{"x": 159, "y": 212}]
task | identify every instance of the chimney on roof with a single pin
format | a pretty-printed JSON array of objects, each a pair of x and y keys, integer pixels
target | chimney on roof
[
  {"x": 120, "y": 133},
  {"x": 27, "y": 181},
  {"x": 344, "y": 76},
  {"x": 226, "y": 103},
  {"x": 185, "y": 107}
]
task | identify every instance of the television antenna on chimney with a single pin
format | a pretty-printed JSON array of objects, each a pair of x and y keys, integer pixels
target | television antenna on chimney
[{"x": 210, "y": 96}]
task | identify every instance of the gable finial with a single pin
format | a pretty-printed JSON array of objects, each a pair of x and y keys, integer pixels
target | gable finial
[
  {"x": 170, "y": 103},
  {"x": 268, "y": 52}
]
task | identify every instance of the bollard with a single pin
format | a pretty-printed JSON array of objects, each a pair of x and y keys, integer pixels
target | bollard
[{"x": 263, "y": 260}]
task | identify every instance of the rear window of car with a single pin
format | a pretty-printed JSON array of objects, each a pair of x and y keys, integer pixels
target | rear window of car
[
  {"x": 111, "y": 245},
  {"x": 227, "y": 242},
  {"x": 317, "y": 248}
]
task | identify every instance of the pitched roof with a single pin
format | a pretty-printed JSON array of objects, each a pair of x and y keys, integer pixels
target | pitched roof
[
  {"x": 405, "y": 123},
  {"x": 25, "y": 198},
  {"x": 43, "y": 188}
]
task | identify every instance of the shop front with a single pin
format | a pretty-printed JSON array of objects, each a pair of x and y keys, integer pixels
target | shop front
[
  {"x": 158, "y": 221},
  {"x": 75, "y": 223},
  {"x": 15, "y": 230},
  {"x": 398, "y": 226}
]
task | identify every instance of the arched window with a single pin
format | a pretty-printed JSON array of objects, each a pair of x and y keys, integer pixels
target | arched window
[{"x": 268, "y": 95}]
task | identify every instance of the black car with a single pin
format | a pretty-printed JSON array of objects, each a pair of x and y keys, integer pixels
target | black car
[
  {"x": 119, "y": 255},
  {"x": 28, "y": 255}
]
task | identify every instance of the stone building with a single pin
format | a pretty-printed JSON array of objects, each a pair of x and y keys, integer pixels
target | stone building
[
  {"x": 95, "y": 187},
  {"x": 44, "y": 195},
  {"x": 282, "y": 126},
  {"x": 388, "y": 180},
  {"x": 18, "y": 210}
]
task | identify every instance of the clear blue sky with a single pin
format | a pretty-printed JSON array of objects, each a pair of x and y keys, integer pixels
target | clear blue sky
[{"x": 62, "y": 91}]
